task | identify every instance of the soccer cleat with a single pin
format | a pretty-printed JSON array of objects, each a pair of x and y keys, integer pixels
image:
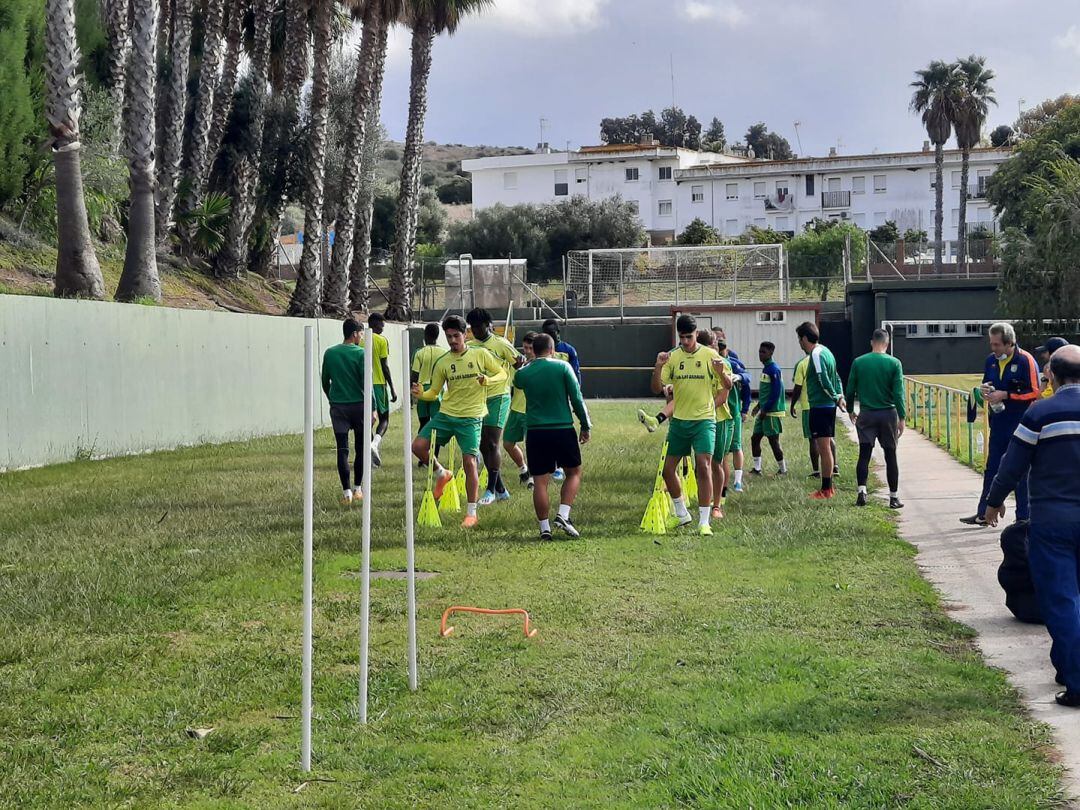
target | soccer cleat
[
  {"x": 469, "y": 522},
  {"x": 487, "y": 499},
  {"x": 444, "y": 478},
  {"x": 860, "y": 500},
  {"x": 717, "y": 513},
  {"x": 894, "y": 503},
  {"x": 357, "y": 495},
  {"x": 502, "y": 496},
  {"x": 650, "y": 422},
  {"x": 545, "y": 536},
  {"x": 705, "y": 530},
  {"x": 525, "y": 479},
  {"x": 531, "y": 484},
  {"x": 558, "y": 475},
  {"x": 346, "y": 499},
  {"x": 738, "y": 487},
  {"x": 835, "y": 472},
  {"x": 823, "y": 494},
  {"x": 781, "y": 472},
  {"x": 974, "y": 520},
  {"x": 814, "y": 474},
  {"x": 376, "y": 459},
  {"x": 685, "y": 521},
  {"x": 566, "y": 526},
  {"x": 756, "y": 472}
]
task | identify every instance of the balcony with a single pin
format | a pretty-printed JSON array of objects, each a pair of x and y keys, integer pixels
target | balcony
[
  {"x": 835, "y": 199},
  {"x": 976, "y": 191}
]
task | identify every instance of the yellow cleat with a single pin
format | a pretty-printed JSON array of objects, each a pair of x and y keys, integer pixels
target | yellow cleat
[{"x": 705, "y": 531}]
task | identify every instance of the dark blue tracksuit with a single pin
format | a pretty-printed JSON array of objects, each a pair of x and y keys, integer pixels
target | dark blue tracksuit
[
  {"x": 1021, "y": 380},
  {"x": 739, "y": 369},
  {"x": 1046, "y": 449}
]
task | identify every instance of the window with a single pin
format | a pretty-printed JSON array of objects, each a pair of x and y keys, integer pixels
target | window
[
  {"x": 956, "y": 217},
  {"x": 834, "y": 184},
  {"x": 782, "y": 224},
  {"x": 781, "y": 189},
  {"x": 879, "y": 184},
  {"x": 697, "y": 194},
  {"x": 731, "y": 227},
  {"x": 509, "y": 181},
  {"x": 859, "y": 220},
  {"x": 858, "y": 185},
  {"x": 664, "y": 209},
  {"x": 631, "y": 175},
  {"x": 956, "y": 179},
  {"x": 973, "y": 329},
  {"x": 562, "y": 187},
  {"x": 759, "y": 190},
  {"x": 912, "y": 330},
  {"x": 772, "y": 316},
  {"x": 809, "y": 185},
  {"x": 879, "y": 218},
  {"x": 581, "y": 174},
  {"x": 731, "y": 191},
  {"x": 950, "y": 328},
  {"x": 664, "y": 173},
  {"x": 759, "y": 222},
  {"x": 933, "y": 329}
]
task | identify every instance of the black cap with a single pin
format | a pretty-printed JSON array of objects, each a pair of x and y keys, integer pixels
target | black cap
[{"x": 1052, "y": 345}]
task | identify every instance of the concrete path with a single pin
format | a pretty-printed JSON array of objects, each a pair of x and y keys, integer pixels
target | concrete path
[{"x": 962, "y": 563}]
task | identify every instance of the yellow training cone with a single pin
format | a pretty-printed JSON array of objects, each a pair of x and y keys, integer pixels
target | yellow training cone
[
  {"x": 429, "y": 512},
  {"x": 451, "y": 496},
  {"x": 654, "y": 521}
]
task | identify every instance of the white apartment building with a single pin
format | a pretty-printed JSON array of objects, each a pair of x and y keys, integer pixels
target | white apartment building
[
  {"x": 672, "y": 186},
  {"x": 643, "y": 174}
]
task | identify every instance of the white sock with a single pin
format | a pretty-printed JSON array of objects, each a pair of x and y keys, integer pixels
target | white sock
[
  {"x": 894, "y": 494},
  {"x": 680, "y": 507},
  {"x": 738, "y": 476},
  {"x": 564, "y": 511},
  {"x": 357, "y": 492},
  {"x": 862, "y": 490},
  {"x": 376, "y": 440},
  {"x": 524, "y": 469},
  {"x": 470, "y": 510},
  {"x": 703, "y": 515},
  {"x": 757, "y": 463},
  {"x": 346, "y": 494},
  {"x": 783, "y": 465},
  {"x": 545, "y": 525}
]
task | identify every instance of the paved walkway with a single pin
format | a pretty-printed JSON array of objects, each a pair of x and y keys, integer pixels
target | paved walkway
[{"x": 962, "y": 563}]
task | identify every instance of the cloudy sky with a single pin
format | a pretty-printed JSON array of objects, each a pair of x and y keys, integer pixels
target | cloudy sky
[{"x": 840, "y": 67}]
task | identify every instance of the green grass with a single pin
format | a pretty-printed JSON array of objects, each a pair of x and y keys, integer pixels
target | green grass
[
  {"x": 963, "y": 382},
  {"x": 946, "y": 423},
  {"x": 794, "y": 659}
]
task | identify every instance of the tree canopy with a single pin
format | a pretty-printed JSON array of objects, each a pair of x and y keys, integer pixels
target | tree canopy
[
  {"x": 672, "y": 128},
  {"x": 766, "y": 144}
]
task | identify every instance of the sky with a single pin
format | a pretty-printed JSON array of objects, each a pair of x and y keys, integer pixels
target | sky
[{"x": 841, "y": 68}]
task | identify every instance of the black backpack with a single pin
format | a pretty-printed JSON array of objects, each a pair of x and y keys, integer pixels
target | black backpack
[{"x": 1014, "y": 575}]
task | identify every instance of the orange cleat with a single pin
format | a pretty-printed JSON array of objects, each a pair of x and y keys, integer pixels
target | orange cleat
[
  {"x": 717, "y": 513},
  {"x": 469, "y": 522},
  {"x": 823, "y": 494},
  {"x": 445, "y": 477}
]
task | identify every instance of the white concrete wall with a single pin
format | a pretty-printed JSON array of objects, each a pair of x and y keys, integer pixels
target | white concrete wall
[
  {"x": 745, "y": 333},
  {"x": 103, "y": 379}
]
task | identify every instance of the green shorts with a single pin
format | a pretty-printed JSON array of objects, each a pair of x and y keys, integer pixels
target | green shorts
[
  {"x": 736, "y": 434},
  {"x": 515, "y": 429},
  {"x": 768, "y": 426},
  {"x": 691, "y": 437},
  {"x": 724, "y": 432},
  {"x": 382, "y": 404},
  {"x": 426, "y": 409},
  {"x": 498, "y": 409},
  {"x": 806, "y": 423},
  {"x": 466, "y": 429}
]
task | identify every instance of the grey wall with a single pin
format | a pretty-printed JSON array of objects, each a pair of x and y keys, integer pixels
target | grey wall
[{"x": 104, "y": 379}]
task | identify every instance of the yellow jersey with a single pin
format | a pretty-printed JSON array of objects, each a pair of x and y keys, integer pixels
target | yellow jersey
[
  {"x": 723, "y": 412},
  {"x": 692, "y": 378},
  {"x": 423, "y": 363},
  {"x": 464, "y": 397},
  {"x": 517, "y": 395},
  {"x": 380, "y": 351},
  {"x": 503, "y": 350},
  {"x": 800, "y": 379}
]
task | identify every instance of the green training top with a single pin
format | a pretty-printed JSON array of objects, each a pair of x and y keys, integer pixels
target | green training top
[
  {"x": 877, "y": 381},
  {"x": 823, "y": 386},
  {"x": 550, "y": 388},
  {"x": 343, "y": 374}
]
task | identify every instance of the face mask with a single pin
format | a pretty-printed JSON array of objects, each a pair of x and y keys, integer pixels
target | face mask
[{"x": 1003, "y": 356}]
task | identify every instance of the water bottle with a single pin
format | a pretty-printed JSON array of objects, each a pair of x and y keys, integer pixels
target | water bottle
[{"x": 979, "y": 443}]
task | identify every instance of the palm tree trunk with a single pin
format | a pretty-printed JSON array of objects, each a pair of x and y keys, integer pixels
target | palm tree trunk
[
  {"x": 232, "y": 260},
  {"x": 939, "y": 171},
  {"x": 305, "y": 298},
  {"x": 197, "y": 167},
  {"x": 114, "y": 14},
  {"x": 77, "y": 270},
  {"x": 140, "y": 277},
  {"x": 370, "y": 60},
  {"x": 400, "y": 293},
  {"x": 296, "y": 64},
  {"x": 172, "y": 140},
  {"x": 961, "y": 230},
  {"x": 359, "y": 270},
  {"x": 226, "y": 89}
]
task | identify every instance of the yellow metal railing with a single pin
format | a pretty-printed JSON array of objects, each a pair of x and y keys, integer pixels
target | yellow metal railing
[{"x": 941, "y": 414}]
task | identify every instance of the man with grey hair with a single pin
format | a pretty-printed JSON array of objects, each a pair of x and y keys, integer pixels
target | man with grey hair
[
  {"x": 1045, "y": 449},
  {"x": 1010, "y": 384}
]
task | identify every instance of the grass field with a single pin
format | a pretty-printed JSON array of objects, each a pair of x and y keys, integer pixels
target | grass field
[
  {"x": 963, "y": 382},
  {"x": 794, "y": 659},
  {"x": 947, "y": 423}
]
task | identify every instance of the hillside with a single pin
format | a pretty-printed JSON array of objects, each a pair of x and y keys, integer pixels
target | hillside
[{"x": 441, "y": 161}]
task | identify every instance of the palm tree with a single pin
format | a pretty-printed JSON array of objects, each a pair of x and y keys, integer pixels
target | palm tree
[
  {"x": 199, "y": 155},
  {"x": 175, "y": 115},
  {"x": 935, "y": 98},
  {"x": 139, "y": 278},
  {"x": 77, "y": 270},
  {"x": 976, "y": 96},
  {"x": 359, "y": 272},
  {"x": 427, "y": 18},
  {"x": 114, "y": 15},
  {"x": 226, "y": 89},
  {"x": 378, "y": 15},
  {"x": 232, "y": 260},
  {"x": 305, "y": 298}
]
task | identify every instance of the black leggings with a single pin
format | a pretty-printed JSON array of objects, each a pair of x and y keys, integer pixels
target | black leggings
[
  {"x": 342, "y": 440},
  {"x": 774, "y": 443},
  {"x": 892, "y": 467}
]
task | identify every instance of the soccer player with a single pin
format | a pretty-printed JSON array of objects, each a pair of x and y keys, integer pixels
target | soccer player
[
  {"x": 466, "y": 372},
  {"x": 516, "y": 424},
  {"x": 800, "y": 404},
  {"x": 769, "y": 411},
  {"x": 498, "y": 401},
  {"x": 422, "y": 364},
  {"x": 824, "y": 394},
  {"x": 380, "y": 381},
  {"x": 343, "y": 384},
  {"x": 725, "y": 428},
  {"x": 738, "y": 404},
  {"x": 551, "y": 388},
  {"x": 691, "y": 370},
  {"x": 563, "y": 350},
  {"x": 877, "y": 382}
]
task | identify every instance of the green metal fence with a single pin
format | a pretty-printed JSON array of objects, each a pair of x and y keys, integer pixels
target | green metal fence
[{"x": 941, "y": 414}]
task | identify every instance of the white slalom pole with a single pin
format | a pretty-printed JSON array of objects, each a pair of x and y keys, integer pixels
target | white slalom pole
[
  {"x": 365, "y": 550},
  {"x": 309, "y": 520},
  {"x": 410, "y": 523}
]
